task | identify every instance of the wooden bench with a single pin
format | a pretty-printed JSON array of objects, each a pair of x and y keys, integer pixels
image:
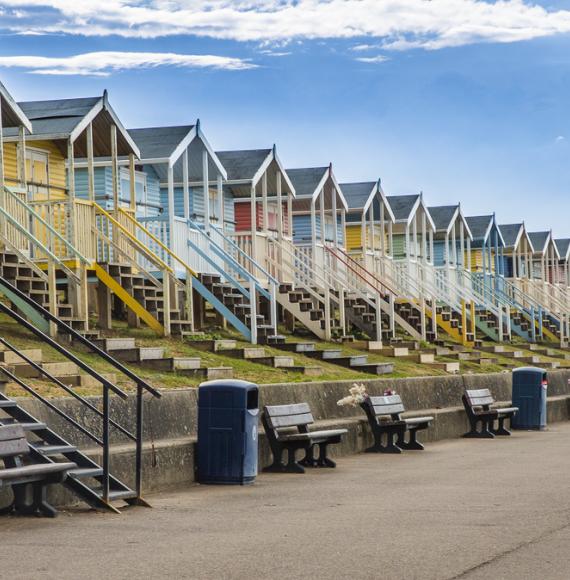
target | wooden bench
[
  {"x": 29, "y": 482},
  {"x": 477, "y": 405},
  {"x": 279, "y": 421},
  {"x": 388, "y": 427}
]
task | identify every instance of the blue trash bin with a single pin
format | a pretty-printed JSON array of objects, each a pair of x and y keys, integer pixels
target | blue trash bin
[
  {"x": 530, "y": 385},
  {"x": 228, "y": 414}
]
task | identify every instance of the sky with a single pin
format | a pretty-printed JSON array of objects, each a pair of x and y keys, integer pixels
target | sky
[{"x": 464, "y": 100}]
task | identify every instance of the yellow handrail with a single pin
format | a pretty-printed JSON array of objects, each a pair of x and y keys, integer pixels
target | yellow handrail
[
  {"x": 133, "y": 239},
  {"x": 159, "y": 242}
]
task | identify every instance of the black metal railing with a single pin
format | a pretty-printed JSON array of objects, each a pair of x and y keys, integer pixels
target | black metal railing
[{"x": 108, "y": 386}]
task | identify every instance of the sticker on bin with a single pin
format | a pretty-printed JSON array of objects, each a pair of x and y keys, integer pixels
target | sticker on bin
[{"x": 254, "y": 433}]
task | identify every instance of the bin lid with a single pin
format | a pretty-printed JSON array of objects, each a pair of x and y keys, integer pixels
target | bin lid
[
  {"x": 227, "y": 384},
  {"x": 529, "y": 370},
  {"x": 227, "y": 394}
]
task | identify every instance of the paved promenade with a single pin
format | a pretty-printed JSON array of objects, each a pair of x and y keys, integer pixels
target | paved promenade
[{"x": 461, "y": 509}]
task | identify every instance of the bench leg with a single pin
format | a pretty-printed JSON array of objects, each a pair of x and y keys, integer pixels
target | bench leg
[
  {"x": 278, "y": 466},
  {"x": 321, "y": 461},
  {"x": 390, "y": 447},
  {"x": 412, "y": 444},
  {"x": 501, "y": 430},
  {"x": 485, "y": 432},
  {"x": 31, "y": 499}
]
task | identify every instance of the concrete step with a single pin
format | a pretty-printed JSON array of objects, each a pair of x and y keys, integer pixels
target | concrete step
[
  {"x": 392, "y": 351},
  {"x": 139, "y": 354},
  {"x": 110, "y": 344},
  {"x": 57, "y": 369},
  {"x": 85, "y": 380},
  {"x": 374, "y": 368},
  {"x": 172, "y": 364},
  {"x": 421, "y": 357},
  {"x": 212, "y": 345},
  {"x": 247, "y": 353},
  {"x": 301, "y": 347},
  {"x": 276, "y": 361},
  {"x": 448, "y": 367},
  {"x": 10, "y": 358}
]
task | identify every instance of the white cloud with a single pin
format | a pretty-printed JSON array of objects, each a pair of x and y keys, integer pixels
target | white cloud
[
  {"x": 373, "y": 59},
  {"x": 398, "y": 24},
  {"x": 104, "y": 63},
  {"x": 560, "y": 139}
]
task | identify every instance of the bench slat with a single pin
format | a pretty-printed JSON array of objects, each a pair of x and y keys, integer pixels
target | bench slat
[
  {"x": 35, "y": 470},
  {"x": 10, "y": 432},
  {"x": 284, "y": 410},
  {"x": 291, "y": 420},
  {"x": 387, "y": 405},
  {"x": 478, "y": 393},
  {"x": 480, "y": 401}
]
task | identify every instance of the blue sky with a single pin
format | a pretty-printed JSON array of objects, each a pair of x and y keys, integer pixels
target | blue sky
[{"x": 464, "y": 100}]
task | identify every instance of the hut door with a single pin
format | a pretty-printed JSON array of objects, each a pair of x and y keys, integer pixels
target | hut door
[{"x": 37, "y": 174}]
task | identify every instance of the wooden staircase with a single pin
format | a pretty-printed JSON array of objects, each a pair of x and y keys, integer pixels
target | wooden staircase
[
  {"x": 32, "y": 281},
  {"x": 139, "y": 297}
]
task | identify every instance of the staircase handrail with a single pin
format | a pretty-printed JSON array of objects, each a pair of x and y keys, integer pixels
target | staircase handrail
[
  {"x": 159, "y": 242},
  {"x": 108, "y": 386},
  {"x": 32, "y": 212},
  {"x": 323, "y": 282},
  {"x": 350, "y": 260},
  {"x": 243, "y": 254},
  {"x": 39, "y": 244},
  {"x": 229, "y": 259},
  {"x": 133, "y": 240}
]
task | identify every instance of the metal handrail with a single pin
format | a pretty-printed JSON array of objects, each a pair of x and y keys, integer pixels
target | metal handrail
[{"x": 108, "y": 386}]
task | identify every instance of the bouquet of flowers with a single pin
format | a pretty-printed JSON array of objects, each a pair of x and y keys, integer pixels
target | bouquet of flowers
[{"x": 357, "y": 396}]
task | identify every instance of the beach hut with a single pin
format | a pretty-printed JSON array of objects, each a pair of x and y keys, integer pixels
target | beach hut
[{"x": 369, "y": 223}]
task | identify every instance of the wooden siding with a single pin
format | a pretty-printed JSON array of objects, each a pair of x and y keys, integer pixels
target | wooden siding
[
  {"x": 243, "y": 216},
  {"x": 354, "y": 237},
  {"x": 56, "y": 167}
]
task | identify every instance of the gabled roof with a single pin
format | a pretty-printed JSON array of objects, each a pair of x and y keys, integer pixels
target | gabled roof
[
  {"x": 359, "y": 196},
  {"x": 404, "y": 207},
  {"x": 166, "y": 145},
  {"x": 563, "y": 246},
  {"x": 309, "y": 182},
  {"x": 540, "y": 241},
  {"x": 511, "y": 234},
  {"x": 243, "y": 164},
  {"x": 481, "y": 227},
  {"x": 12, "y": 114},
  {"x": 159, "y": 142},
  {"x": 64, "y": 119},
  {"x": 443, "y": 216},
  {"x": 247, "y": 166}
]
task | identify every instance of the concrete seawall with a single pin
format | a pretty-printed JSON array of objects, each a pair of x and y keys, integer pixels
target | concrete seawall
[{"x": 170, "y": 422}]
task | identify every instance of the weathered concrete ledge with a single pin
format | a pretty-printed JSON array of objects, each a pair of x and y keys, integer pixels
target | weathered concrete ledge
[{"x": 170, "y": 422}]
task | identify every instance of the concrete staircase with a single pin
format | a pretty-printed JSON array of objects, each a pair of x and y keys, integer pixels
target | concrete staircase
[
  {"x": 358, "y": 363},
  {"x": 126, "y": 350},
  {"x": 256, "y": 354},
  {"x": 66, "y": 372}
]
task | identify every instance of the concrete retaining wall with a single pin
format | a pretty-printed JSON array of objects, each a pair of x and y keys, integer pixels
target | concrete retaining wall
[{"x": 170, "y": 422}]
